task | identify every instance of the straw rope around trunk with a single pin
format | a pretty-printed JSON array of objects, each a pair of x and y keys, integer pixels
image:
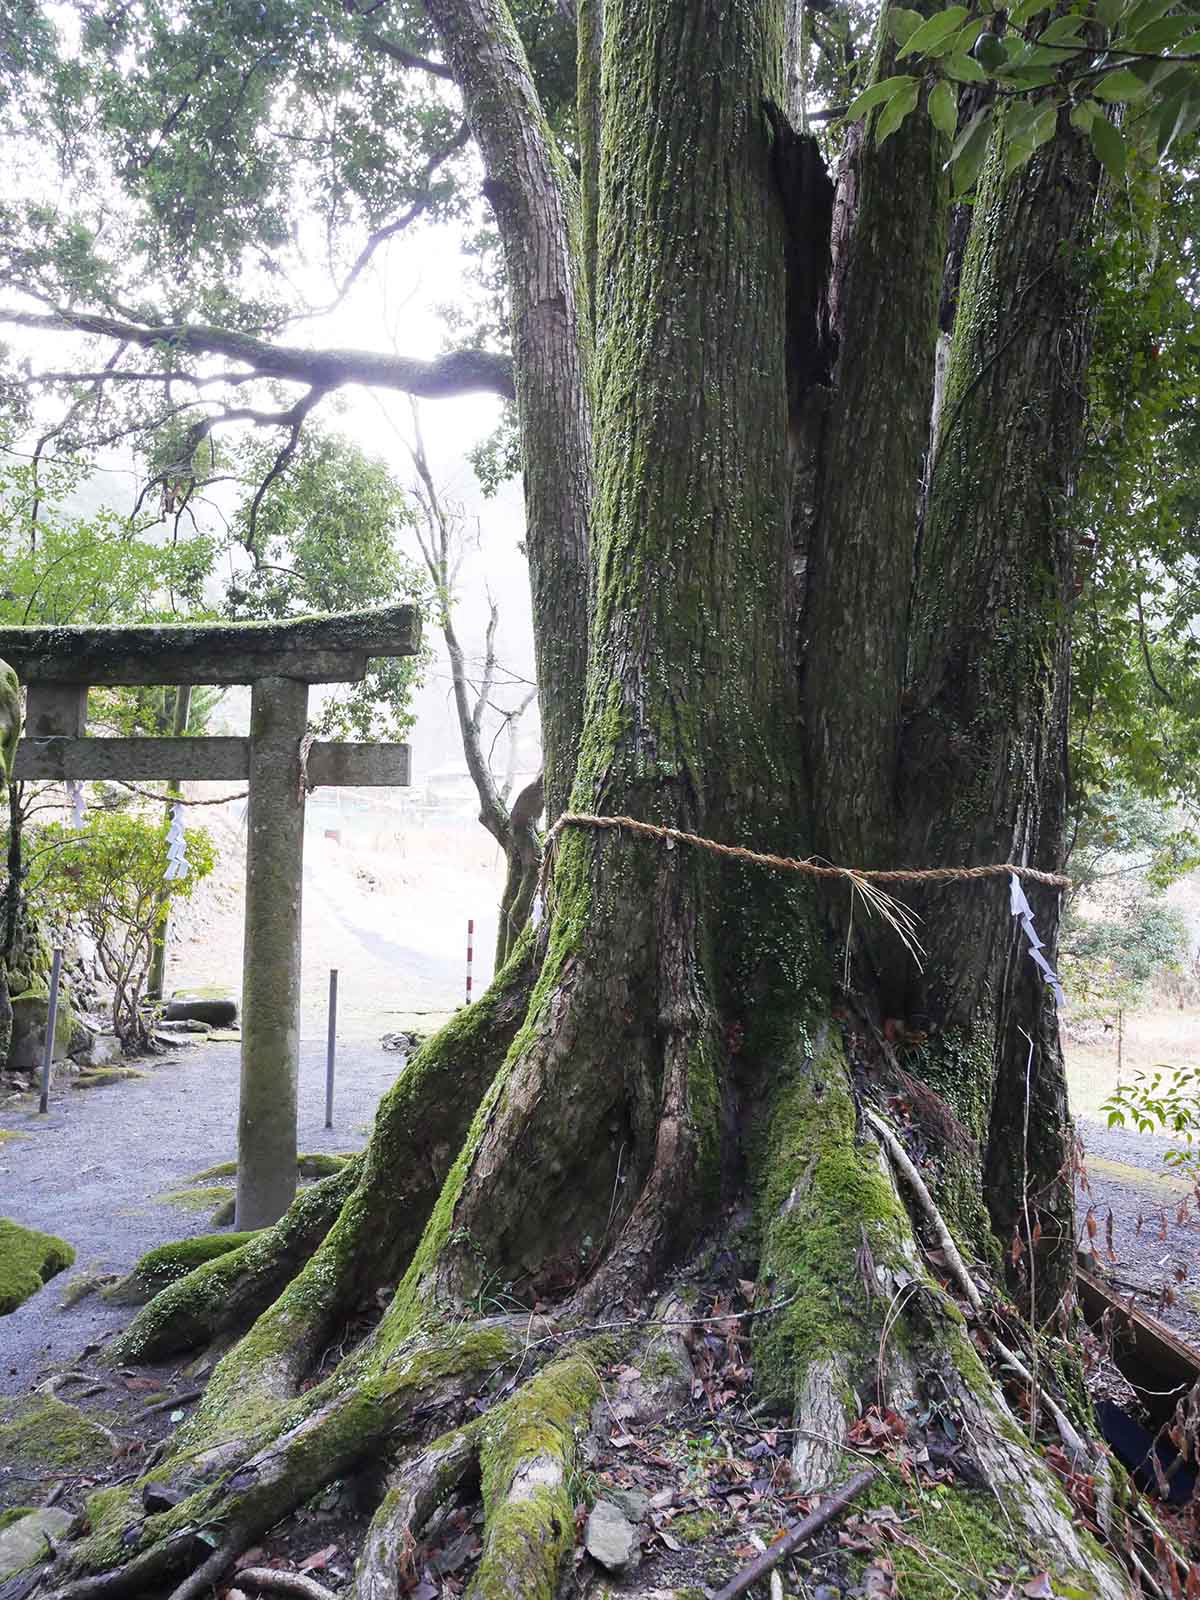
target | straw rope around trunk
[
  {"x": 808, "y": 868},
  {"x": 864, "y": 883}
]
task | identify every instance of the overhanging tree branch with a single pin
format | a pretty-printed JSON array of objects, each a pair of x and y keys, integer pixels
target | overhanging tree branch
[
  {"x": 405, "y": 58},
  {"x": 455, "y": 373}
]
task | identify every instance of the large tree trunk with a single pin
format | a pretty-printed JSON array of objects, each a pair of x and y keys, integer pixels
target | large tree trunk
[{"x": 669, "y": 1034}]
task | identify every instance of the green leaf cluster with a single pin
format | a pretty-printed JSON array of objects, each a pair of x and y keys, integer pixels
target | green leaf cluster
[
  {"x": 1163, "y": 1100},
  {"x": 325, "y": 538},
  {"x": 1139, "y": 59}
]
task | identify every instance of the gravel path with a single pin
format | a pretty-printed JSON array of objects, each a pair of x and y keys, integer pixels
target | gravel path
[{"x": 94, "y": 1169}]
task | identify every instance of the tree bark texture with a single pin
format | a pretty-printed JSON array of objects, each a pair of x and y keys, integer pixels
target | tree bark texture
[{"x": 536, "y": 208}]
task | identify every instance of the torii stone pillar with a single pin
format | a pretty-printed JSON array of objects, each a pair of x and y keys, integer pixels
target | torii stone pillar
[{"x": 279, "y": 661}]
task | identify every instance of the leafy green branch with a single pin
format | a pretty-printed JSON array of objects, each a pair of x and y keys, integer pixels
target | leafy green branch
[{"x": 1128, "y": 54}]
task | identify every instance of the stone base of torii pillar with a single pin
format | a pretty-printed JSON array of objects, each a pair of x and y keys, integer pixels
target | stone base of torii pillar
[{"x": 279, "y": 661}]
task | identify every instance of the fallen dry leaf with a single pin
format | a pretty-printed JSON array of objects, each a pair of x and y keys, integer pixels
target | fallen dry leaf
[{"x": 319, "y": 1559}]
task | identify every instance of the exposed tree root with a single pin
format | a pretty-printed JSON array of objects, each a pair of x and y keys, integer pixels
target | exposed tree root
[
  {"x": 414, "y": 1490},
  {"x": 529, "y": 1448},
  {"x": 871, "y": 1326},
  {"x": 328, "y": 1257},
  {"x": 322, "y": 1435},
  {"x": 906, "y": 1168},
  {"x": 226, "y": 1294},
  {"x": 273, "y": 1581}
]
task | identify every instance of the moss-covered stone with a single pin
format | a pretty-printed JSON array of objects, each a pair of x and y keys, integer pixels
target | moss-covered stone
[
  {"x": 83, "y": 1284},
  {"x": 14, "y": 1514},
  {"x": 44, "y": 1435},
  {"x": 28, "y": 1260},
  {"x": 30, "y": 1018},
  {"x": 102, "y": 1077},
  {"x": 312, "y": 1164},
  {"x": 168, "y": 1263}
]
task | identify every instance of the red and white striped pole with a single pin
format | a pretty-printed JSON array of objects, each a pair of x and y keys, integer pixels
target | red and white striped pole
[{"x": 470, "y": 953}]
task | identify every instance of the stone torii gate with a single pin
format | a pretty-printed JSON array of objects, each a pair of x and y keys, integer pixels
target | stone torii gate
[{"x": 279, "y": 661}]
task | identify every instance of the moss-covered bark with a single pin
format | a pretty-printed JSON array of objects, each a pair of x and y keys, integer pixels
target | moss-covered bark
[
  {"x": 889, "y": 243},
  {"x": 984, "y": 773}
]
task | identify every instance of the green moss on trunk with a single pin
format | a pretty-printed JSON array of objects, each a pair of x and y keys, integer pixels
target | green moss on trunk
[{"x": 825, "y": 1199}]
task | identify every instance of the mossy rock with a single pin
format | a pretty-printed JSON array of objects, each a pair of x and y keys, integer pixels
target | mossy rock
[
  {"x": 44, "y": 1436},
  {"x": 28, "y": 1260},
  {"x": 23, "y": 1539},
  {"x": 30, "y": 1015},
  {"x": 99, "y": 1077},
  {"x": 168, "y": 1262},
  {"x": 84, "y": 1284},
  {"x": 313, "y": 1164},
  {"x": 318, "y": 1165},
  {"x": 14, "y": 1514}
]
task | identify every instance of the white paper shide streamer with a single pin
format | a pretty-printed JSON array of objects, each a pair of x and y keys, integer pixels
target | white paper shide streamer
[
  {"x": 1020, "y": 908},
  {"x": 177, "y": 861},
  {"x": 75, "y": 801}
]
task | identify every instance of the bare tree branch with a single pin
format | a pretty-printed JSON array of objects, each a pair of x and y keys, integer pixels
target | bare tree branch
[
  {"x": 406, "y": 58},
  {"x": 458, "y": 372},
  {"x": 421, "y": 204},
  {"x": 437, "y": 543}
]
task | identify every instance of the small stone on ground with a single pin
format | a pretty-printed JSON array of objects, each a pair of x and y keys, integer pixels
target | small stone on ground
[{"x": 610, "y": 1538}]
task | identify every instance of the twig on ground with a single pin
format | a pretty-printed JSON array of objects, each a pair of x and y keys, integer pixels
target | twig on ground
[
  {"x": 796, "y": 1535},
  {"x": 184, "y": 1399},
  {"x": 271, "y": 1578}
]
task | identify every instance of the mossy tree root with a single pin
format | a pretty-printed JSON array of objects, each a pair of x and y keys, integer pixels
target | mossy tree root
[
  {"x": 866, "y": 1324},
  {"x": 528, "y": 1451},
  {"x": 415, "y": 1488},
  {"x": 325, "y": 1434},
  {"x": 224, "y": 1295}
]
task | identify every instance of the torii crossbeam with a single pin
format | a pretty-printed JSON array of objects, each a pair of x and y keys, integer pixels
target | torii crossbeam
[{"x": 279, "y": 660}]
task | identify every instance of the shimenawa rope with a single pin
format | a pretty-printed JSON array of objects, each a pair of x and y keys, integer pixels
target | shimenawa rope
[{"x": 808, "y": 869}]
